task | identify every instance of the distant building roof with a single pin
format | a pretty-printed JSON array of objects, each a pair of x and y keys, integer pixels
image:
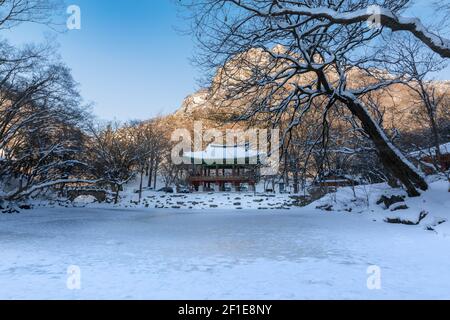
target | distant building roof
[{"x": 225, "y": 153}]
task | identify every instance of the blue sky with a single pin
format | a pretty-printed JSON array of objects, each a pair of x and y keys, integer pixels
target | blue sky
[{"x": 128, "y": 57}]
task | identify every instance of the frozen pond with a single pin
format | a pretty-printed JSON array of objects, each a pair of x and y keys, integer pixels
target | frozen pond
[{"x": 151, "y": 254}]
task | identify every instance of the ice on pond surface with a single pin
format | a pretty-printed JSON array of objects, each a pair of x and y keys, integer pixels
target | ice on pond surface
[{"x": 150, "y": 254}]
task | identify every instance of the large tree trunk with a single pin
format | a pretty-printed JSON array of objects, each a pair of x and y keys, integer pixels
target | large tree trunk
[
  {"x": 296, "y": 183},
  {"x": 116, "y": 197},
  {"x": 150, "y": 174},
  {"x": 155, "y": 178},
  {"x": 391, "y": 158},
  {"x": 141, "y": 185}
]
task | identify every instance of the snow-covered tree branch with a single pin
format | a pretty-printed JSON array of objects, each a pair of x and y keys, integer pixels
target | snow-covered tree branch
[
  {"x": 386, "y": 17},
  {"x": 281, "y": 63}
]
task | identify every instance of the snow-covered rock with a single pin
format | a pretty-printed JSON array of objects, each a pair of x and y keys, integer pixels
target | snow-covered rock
[
  {"x": 431, "y": 211},
  {"x": 84, "y": 200}
]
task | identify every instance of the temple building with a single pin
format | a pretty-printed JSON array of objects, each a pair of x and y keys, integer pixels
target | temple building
[{"x": 223, "y": 168}]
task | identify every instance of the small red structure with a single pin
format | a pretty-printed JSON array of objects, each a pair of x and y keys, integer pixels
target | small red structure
[{"x": 426, "y": 158}]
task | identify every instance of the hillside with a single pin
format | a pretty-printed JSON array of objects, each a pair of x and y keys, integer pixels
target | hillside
[{"x": 397, "y": 106}]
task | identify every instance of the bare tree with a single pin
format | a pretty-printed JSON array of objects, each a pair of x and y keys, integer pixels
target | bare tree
[
  {"x": 420, "y": 65},
  {"x": 15, "y": 12},
  {"x": 40, "y": 124},
  {"x": 155, "y": 135},
  {"x": 276, "y": 61},
  {"x": 139, "y": 138},
  {"x": 170, "y": 173},
  {"x": 151, "y": 143},
  {"x": 112, "y": 156},
  {"x": 346, "y": 13},
  {"x": 40, "y": 108}
]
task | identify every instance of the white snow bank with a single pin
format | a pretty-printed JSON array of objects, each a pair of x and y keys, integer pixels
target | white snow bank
[{"x": 430, "y": 211}]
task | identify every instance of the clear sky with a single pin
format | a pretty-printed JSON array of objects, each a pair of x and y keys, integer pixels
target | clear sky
[{"x": 128, "y": 57}]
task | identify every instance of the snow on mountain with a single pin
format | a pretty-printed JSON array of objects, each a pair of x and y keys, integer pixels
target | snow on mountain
[
  {"x": 395, "y": 103},
  {"x": 193, "y": 102}
]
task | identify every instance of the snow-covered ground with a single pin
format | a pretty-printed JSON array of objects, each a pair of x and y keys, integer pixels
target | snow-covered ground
[
  {"x": 196, "y": 201},
  {"x": 129, "y": 199},
  {"x": 431, "y": 211},
  {"x": 149, "y": 253}
]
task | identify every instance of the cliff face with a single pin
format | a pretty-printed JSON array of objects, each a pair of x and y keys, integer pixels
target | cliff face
[
  {"x": 193, "y": 103},
  {"x": 398, "y": 105}
]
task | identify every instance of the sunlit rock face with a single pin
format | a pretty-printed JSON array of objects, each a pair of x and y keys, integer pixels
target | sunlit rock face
[
  {"x": 193, "y": 102},
  {"x": 398, "y": 104}
]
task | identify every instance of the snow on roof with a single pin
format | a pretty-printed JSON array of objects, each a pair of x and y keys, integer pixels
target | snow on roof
[
  {"x": 217, "y": 152},
  {"x": 444, "y": 148}
]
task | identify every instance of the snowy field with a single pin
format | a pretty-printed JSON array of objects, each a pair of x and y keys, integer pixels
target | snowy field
[{"x": 217, "y": 254}]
